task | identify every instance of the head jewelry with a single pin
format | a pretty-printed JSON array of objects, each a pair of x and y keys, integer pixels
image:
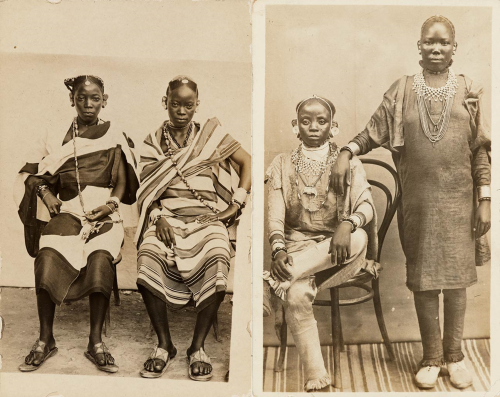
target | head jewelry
[
  {"x": 334, "y": 128},
  {"x": 87, "y": 79}
]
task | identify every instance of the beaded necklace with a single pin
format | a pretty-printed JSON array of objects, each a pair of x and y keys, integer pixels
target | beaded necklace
[
  {"x": 170, "y": 155},
  {"x": 97, "y": 224},
  {"x": 305, "y": 166},
  {"x": 445, "y": 94}
]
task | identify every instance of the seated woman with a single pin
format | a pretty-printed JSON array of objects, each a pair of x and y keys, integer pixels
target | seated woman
[
  {"x": 70, "y": 190},
  {"x": 187, "y": 200},
  {"x": 312, "y": 229}
]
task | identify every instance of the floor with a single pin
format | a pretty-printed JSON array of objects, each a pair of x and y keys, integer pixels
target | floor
[{"x": 128, "y": 340}]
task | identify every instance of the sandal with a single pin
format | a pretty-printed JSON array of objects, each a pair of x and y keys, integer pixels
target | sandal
[
  {"x": 39, "y": 350},
  {"x": 199, "y": 357},
  {"x": 101, "y": 349},
  {"x": 158, "y": 355}
]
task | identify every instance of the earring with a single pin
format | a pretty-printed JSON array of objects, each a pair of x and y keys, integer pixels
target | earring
[
  {"x": 334, "y": 130},
  {"x": 72, "y": 105},
  {"x": 295, "y": 130},
  {"x": 164, "y": 102}
]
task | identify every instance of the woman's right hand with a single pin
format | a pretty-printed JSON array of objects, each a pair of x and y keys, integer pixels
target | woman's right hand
[
  {"x": 279, "y": 266},
  {"x": 52, "y": 203},
  {"x": 340, "y": 170},
  {"x": 165, "y": 233}
]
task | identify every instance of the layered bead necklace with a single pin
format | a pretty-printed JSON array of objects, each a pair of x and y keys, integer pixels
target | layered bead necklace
[
  {"x": 309, "y": 167},
  {"x": 444, "y": 94},
  {"x": 170, "y": 155}
]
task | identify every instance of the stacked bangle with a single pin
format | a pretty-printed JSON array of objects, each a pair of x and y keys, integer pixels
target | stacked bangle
[
  {"x": 353, "y": 224},
  {"x": 484, "y": 199},
  {"x": 157, "y": 218},
  {"x": 42, "y": 191},
  {"x": 113, "y": 204},
  {"x": 348, "y": 149},
  {"x": 275, "y": 252}
]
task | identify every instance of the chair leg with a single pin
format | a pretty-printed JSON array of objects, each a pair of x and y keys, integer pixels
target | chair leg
[
  {"x": 283, "y": 343},
  {"x": 380, "y": 319},
  {"x": 116, "y": 292},
  {"x": 215, "y": 325},
  {"x": 107, "y": 321},
  {"x": 336, "y": 337}
]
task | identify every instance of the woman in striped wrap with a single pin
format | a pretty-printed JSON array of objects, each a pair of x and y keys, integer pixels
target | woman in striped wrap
[
  {"x": 68, "y": 194},
  {"x": 194, "y": 183}
]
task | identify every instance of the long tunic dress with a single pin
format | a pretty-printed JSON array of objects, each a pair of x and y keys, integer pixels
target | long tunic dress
[{"x": 438, "y": 206}]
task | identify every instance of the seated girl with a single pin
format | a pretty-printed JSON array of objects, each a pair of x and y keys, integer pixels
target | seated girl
[
  {"x": 312, "y": 229},
  {"x": 188, "y": 201}
]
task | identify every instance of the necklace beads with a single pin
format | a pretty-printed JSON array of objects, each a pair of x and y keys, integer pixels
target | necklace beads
[{"x": 431, "y": 93}]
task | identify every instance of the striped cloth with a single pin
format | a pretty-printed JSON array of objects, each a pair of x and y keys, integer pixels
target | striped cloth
[
  {"x": 68, "y": 265},
  {"x": 366, "y": 368},
  {"x": 198, "y": 266}
]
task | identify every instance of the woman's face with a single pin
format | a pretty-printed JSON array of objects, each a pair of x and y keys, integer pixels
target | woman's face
[
  {"x": 181, "y": 106},
  {"x": 314, "y": 121},
  {"x": 88, "y": 100},
  {"x": 437, "y": 46}
]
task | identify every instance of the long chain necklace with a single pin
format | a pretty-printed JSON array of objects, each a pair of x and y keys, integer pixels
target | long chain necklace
[
  {"x": 170, "y": 155},
  {"x": 445, "y": 94},
  {"x": 98, "y": 224},
  {"x": 305, "y": 166}
]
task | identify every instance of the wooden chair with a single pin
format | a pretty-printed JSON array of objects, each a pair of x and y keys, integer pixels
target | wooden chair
[
  {"x": 116, "y": 294},
  {"x": 360, "y": 281}
]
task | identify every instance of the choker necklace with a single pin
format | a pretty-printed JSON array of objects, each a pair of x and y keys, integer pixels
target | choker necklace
[
  {"x": 441, "y": 72},
  {"x": 169, "y": 137}
]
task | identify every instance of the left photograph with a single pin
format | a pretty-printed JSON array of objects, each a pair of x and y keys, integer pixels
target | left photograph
[{"x": 128, "y": 158}]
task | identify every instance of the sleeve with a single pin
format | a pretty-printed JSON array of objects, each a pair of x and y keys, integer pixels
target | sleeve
[
  {"x": 376, "y": 132},
  {"x": 366, "y": 210},
  {"x": 276, "y": 201},
  {"x": 481, "y": 169}
]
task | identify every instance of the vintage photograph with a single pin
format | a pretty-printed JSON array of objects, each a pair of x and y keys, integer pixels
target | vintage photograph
[
  {"x": 377, "y": 153},
  {"x": 125, "y": 193}
]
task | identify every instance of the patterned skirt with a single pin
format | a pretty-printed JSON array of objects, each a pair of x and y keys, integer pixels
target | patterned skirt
[{"x": 195, "y": 269}]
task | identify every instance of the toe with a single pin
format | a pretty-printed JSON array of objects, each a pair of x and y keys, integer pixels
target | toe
[
  {"x": 196, "y": 370},
  {"x": 110, "y": 360}
]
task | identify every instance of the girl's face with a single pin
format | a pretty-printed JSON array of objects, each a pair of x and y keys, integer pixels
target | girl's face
[
  {"x": 437, "y": 46},
  {"x": 314, "y": 121},
  {"x": 181, "y": 106},
  {"x": 88, "y": 100}
]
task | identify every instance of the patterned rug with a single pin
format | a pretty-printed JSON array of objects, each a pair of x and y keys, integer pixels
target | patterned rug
[{"x": 366, "y": 368}]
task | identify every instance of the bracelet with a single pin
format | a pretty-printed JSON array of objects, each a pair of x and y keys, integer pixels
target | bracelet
[
  {"x": 240, "y": 195},
  {"x": 361, "y": 217},
  {"x": 483, "y": 191},
  {"x": 157, "y": 218},
  {"x": 348, "y": 149},
  {"x": 40, "y": 189},
  {"x": 277, "y": 243},
  {"x": 238, "y": 204},
  {"x": 353, "y": 224},
  {"x": 45, "y": 195},
  {"x": 112, "y": 209},
  {"x": 275, "y": 252},
  {"x": 114, "y": 203},
  {"x": 484, "y": 199}
]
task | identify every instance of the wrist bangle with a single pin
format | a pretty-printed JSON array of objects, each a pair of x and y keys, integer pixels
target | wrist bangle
[
  {"x": 483, "y": 191},
  {"x": 111, "y": 208},
  {"x": 484, "y": 199},
  {"x": 348, "y": 149},
  {"x": 275, "y": 252},
  {"x": 45, "y": 195},
  {"x": 157, "y": 218},
  {"x": 353, "y": 224}
]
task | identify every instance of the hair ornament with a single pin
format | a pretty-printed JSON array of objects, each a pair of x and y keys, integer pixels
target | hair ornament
[{"x": 73, "y": 82}]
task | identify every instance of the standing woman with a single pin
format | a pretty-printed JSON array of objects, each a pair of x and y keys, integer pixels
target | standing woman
[
  {"x": 189, "y": 198},
  {"x": 432, "y": 124},
  {"x": 70, "y": 190}
]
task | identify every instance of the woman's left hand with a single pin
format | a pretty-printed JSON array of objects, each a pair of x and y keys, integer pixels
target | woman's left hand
[
  {"x": 482, "y": 220},
  {"x": 340, "y": 244},
  {"x": 223, "y": 216},
  {"x": 98, "y": 213}
]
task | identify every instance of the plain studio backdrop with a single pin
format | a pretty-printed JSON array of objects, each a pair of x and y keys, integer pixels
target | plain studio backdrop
[
  {"x": 136, "y": 47},
  {"x": 42, "y": 44},
  {"x": 351, "y": 55}
]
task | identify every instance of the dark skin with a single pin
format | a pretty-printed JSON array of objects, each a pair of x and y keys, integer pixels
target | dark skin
[
  {"x": 88, "y": 100},
  {"x": 314, "y": 122},
  {"x": 437, "y": 45},
  {"x": 181, "y": 106}
]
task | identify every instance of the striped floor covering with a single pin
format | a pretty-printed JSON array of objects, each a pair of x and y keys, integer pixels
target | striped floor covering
[{"x": 366, "y": 368}]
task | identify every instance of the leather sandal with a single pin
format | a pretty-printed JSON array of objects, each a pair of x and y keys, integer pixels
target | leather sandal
[
  {"x": 158, "y": 355},
  {"x": 199, "y": 357},
  {"x": 38, "y": 351},
  {"x": 100, "y": 349}
]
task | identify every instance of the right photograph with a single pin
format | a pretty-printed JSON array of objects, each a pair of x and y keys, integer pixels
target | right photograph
[{"x": 377, "y": 154}]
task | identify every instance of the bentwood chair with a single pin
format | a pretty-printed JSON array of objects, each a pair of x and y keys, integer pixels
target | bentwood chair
[
  {"x": 359, "y": 281},
  {"x": 116, "y": 294}
]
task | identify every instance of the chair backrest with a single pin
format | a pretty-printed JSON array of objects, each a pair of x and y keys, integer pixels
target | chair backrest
[{"x": 391, "y": 203}]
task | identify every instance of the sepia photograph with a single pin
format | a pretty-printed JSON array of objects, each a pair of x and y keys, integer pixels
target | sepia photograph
[
  {"x": 377, "y": 201},
  {"x": 125, "y": 132}
]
